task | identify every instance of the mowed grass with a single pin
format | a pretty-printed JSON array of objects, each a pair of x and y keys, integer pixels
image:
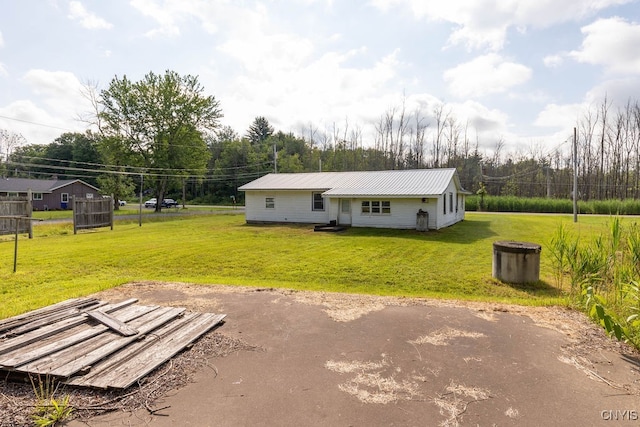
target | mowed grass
[{"x": 453, "y": 263}]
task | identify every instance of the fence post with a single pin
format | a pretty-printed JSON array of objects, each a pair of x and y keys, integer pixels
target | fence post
[
  {"x": 73, "y": 213},
  {"x": 30, "y": 211},
  {"x": 15, "y": 246},
  {"x": 111, "y": 208}
]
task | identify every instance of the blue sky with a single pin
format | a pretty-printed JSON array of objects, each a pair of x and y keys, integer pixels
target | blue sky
[{"x": 517, "y": 71}]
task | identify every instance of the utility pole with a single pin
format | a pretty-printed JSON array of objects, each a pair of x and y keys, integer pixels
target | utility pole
[
  {"x": 140, "y": 208},
  {"x": 275, "y": 159},
  {"x": 548, "y": 183},
  {"x": 575, "y": 176}
]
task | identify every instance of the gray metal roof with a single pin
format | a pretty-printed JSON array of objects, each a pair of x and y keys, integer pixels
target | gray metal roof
[
  {"x": 398, "y": 183},
  {"x": 22, "y": 185}
]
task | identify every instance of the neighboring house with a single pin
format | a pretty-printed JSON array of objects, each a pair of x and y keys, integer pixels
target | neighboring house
[
  {"x": 48, "y": 193},
  {"x": 383, "y": 199}
]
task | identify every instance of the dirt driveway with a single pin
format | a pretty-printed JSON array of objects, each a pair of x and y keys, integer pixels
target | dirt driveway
[{"x": 345, "y": 360}]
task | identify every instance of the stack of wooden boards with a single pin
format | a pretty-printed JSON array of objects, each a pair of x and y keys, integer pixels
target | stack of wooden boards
[{"x": 93, "y": 343}]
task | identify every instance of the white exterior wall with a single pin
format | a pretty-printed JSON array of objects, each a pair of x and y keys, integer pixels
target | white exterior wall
[
  {"x": 450, "y": 218},
  {"x": 290, "y": 206},
  {"x": 296, "y": 207},
  {"x": 403, "y": 213}
]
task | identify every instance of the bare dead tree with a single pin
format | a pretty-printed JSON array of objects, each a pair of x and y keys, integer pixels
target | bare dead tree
[
  {"x": 421, "y": 125},
  {"x": 440, "y": 115}
]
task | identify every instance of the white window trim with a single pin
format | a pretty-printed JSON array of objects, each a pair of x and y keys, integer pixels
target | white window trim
[
  {"x": 269, "y": 202},
  {"x": 313, "y": 201},
  {"x": 382, "y": 206}
]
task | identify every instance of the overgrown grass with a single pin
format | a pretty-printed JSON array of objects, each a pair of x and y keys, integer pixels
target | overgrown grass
[
  {"x": 222, "y": 249},
  {"x": 543, "y": 205},
  {"x": 603, "y": 275}
]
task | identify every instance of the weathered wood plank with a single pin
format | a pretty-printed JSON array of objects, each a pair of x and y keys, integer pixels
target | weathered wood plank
[
  {"x": 49, "y": 330},
  {"x": 30, "y": 316},
  {"x": 15, "y": 360},
  {"x": 81, "y": 356},
  {"x": 140, "y": 358},
  {"x": 112, "y": 322}
]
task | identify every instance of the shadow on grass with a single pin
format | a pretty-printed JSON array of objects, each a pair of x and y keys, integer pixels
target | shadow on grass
[
  {"x": 462, "y": 232},
  {"x": 537, "y": 289}
]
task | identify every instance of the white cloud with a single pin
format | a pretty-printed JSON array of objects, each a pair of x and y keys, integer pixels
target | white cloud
[
  {"x": 269, "y": 54},
  {"x": 616, "y": 91},
  {"x": 553, "y": 61},
  {"x": 215, "y": 16},
  {"x": 612, "y": 43},
  {"x": 165, "y": 16},
  {"x": 87, "y": 19},
  {"x": 61, "y": 94},
  {"x": 36, "y": 124},
  {"x": 318, "y": 90},
  {"x": 484, "y": 23},
  {"x": 560, "y": 116},
  {"x": 485, "y": 75},
  {"x": 52, "y": 83}
]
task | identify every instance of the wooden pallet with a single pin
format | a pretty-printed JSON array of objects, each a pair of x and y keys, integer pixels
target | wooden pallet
[{"x": 92, "y": 343}]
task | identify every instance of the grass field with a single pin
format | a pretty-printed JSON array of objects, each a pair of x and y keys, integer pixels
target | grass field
[{"x": 222, "y": 249}]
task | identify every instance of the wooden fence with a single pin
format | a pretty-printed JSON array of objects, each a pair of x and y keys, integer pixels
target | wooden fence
[
  {"x": 92, "y": 213},
  {"x": 14, "y": 209}
]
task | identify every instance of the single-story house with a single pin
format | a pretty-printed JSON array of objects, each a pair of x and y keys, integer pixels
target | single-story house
[
  {"x": 404, "y": 199},
  {"x": 48, "y": 193}
]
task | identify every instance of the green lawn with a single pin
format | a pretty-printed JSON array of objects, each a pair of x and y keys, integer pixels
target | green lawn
[{"x": 222, "y": 249}]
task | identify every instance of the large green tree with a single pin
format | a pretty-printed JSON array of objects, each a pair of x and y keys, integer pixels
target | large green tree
[
  {"x": 159, "y": 123},
  {"x": 259, "y": 131}
]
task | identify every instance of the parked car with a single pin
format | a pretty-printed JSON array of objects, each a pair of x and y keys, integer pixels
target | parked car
[
  {"x": 166, "y": 203},
  {"x": 169, "y": 203},
  {"x": 122, "y": 202}
]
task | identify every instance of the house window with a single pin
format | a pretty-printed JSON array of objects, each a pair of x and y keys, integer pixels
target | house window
[
  {"x": 450, "y": 202},
  {"x": 89, "y": 195},
  {"x": 270, "y": 202},
  {"x": 444, "y": 204},
  {"x": 346, "y": 206},
  {"x": 64, "y": 197},
  {"x": 318, "y": 202},
  {"x": 376, "y": 207},
  {"x": 12, "y": 194},
  {"x": 36, "y": 196}
]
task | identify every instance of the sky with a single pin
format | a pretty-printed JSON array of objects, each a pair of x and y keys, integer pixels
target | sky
[{"x": 521, "y": 72}]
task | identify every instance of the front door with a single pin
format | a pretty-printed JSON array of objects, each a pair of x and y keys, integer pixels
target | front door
[{"x": 344, "y": 218}]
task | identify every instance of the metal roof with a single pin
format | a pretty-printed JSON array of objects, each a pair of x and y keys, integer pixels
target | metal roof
[
  {"x": 22, "y": 185},
  {"x": 398, "y": 183}
]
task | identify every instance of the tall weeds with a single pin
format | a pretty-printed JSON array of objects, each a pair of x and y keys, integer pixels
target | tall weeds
[
  {"x": 544, "y": 205},
  {"x": 604, "y": 276}
]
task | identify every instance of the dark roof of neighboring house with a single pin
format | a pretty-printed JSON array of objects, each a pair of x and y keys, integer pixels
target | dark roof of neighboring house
[{"x": 22, "y": 185}]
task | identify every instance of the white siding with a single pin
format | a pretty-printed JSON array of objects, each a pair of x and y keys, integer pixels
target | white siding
[
  {"x": 290, "y": 206},
  {"x": 295, "y": 206},
  {"x": 451, "y": 216},
  {"x": 403, "y": 214}
]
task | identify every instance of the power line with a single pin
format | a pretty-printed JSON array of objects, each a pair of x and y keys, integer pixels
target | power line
[{"x": 35, "y": 123}]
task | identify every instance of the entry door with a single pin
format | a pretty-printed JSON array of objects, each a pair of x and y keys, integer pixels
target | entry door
[{"x": 345, "y": 212}]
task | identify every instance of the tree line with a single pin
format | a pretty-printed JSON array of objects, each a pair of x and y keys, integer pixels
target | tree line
[{"x": 162, "y": 135}]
